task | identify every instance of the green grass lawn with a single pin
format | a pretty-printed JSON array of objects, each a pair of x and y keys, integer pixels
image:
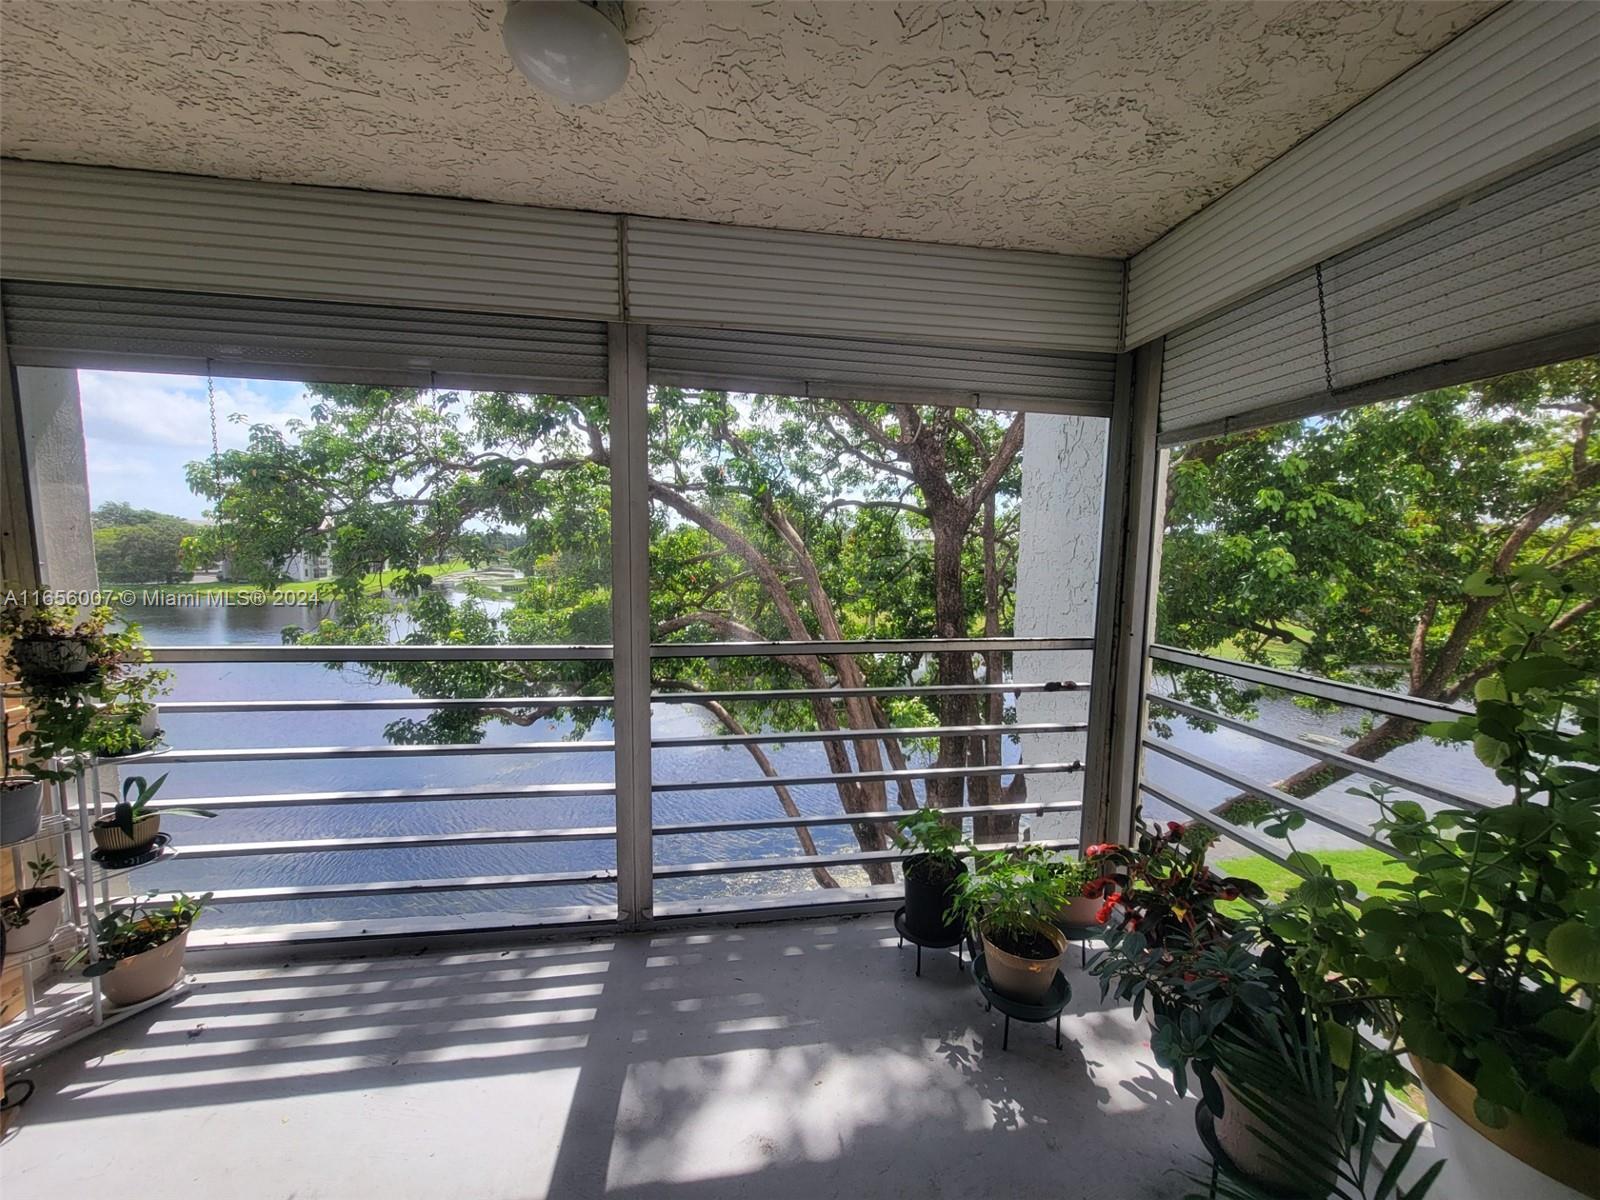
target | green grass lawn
[
  {"x": 1282, "y": 654},
  {"x": 1364, "y": 868}
]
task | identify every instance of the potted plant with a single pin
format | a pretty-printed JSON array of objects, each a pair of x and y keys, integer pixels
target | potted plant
[
  {"x": 49, "y": 647},
  {"x": 130, "y": 720},
  {"x": 1081, "y": 910},
  {"x": 1486, "y": 939},
  {"x": 1009, "y": 900},
  {"x": 1292, "y": 1082},
  {"x": 133, "y": 826},
  {"x": 65, "y": 703},
  {"x": 931, "y": 874},
  {"x": 21, "y": 809},
  {"x": 32, "y": 914},
  {"x": 142, "y": 947}
]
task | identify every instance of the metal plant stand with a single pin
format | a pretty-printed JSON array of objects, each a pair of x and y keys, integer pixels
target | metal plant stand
[
  {"x": 919, "y": 942},
  {"x": 1048, "y": 1009}
]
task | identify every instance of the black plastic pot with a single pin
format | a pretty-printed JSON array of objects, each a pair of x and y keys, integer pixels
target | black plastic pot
[{"x": 929, "y": 891}]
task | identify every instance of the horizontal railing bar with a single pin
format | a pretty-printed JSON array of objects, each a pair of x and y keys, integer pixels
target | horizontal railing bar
[
  {"x": 1245, "y": 837},
  {"x": 817, "y": 902},
  {"x": 461, "y": 653},
  {"x": 887, "y": 646},
  {"x": 1349, "y": 762},
  {"x": 386, "y": 796},
  {"x": 1267, "y": 792},
  {"x": 865, "y": 777},
  {"x": 845, "y": 693},
  {"x": 185, "y": 707},
  {"x": 976, "y": 810},
  {"x": 1412, "y": 708},
  {"x": 190, "y": 707},
  {"x": 400, "y": 887},
  {"x": 406, "y": 841},
  {"x": 214, "y": 939},
  {"x": 304, "y": 753},
  {"x": 897, "y": 732},
  {"x": 804, "y": 862},
  {"x": 399, "y": 653}
]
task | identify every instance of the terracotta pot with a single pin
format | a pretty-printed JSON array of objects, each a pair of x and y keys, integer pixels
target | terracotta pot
[
  {"x": 44, "y": 918},
  {"x": 928, "y": 900},
  {"x": 1235, "y": 1130},
  {"x": 20, "y": 809},
  {"x": 145, "y": 975},
  {"x": 112, "y": 840},
  {"x": 1081, "y": 912},
  {"x": 1509, "y": 1161},
  {"x": 1024, "y": 979}
]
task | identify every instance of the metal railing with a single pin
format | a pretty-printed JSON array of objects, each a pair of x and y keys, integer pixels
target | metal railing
[
  {"x": 1369, "y": 699},
  {"x": 893, "y": 781}
]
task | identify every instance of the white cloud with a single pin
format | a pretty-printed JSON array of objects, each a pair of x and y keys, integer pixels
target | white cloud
[
  {"x": 141, "y": 429},
  {"x": 139, "y": 409}
]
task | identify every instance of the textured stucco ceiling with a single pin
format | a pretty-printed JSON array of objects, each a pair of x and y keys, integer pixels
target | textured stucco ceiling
[{"x": 1080, "y": 127}]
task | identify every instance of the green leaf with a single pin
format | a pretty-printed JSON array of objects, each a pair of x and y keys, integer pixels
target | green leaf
[
  {"x": 1491, "y": 1114},
  {"x": 1574, "y": 950},
  {"x": 1540, "y": 671}
]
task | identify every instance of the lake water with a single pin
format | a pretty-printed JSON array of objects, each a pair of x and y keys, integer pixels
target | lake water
[{"x": 242, "y": 681}]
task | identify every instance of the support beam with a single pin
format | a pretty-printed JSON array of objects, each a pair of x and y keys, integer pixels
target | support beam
[
  {"x": 1125, "y": 613},
  {"x": 630, "y": 622}
]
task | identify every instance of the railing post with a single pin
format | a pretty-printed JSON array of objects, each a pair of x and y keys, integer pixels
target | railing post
[
  {"x": 1130, "y": 547},
  {"x": 630, "y": 622}
]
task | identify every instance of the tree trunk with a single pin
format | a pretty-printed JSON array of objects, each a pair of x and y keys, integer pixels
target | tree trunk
[{"x": 1389, "y": 734}]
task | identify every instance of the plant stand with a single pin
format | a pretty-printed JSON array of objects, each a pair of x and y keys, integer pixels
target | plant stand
[
  {"x": 906, "y": 935},
  {"x": 73, "y": 1010},
  {"x": 1048, "y": 1009}
]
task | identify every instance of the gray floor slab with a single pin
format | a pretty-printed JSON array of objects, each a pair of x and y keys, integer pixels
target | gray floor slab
[{"x": 775, "y": 1061}]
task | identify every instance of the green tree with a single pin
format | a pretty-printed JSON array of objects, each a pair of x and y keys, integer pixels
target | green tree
[
  {"x": 1374, "y": 542},
  {"x": 773, "y": 518},
  {"x": 137, "y": 545}
]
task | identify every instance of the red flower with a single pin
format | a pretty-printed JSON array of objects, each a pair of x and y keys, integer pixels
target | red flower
[
  {"x": 1107, "y": 907},
  {"x": 1176, "y": 828},
  {"x": 1100, "y": 848}
]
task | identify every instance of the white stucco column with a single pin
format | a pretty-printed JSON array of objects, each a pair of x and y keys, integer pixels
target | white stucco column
[
  {"x": 58, "y": 476},
  {"x": 1063, "y": 478}
]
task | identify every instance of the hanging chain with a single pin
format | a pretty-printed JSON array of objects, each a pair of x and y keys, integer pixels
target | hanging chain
[
  {"x": 1322, "y": 314},
  {"x": 216, "y": 447}
]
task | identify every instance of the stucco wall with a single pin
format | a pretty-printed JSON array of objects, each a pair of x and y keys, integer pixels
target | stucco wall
[
  {"x": 52, "y": 423},
  {"x": 1063, "y": 482}
]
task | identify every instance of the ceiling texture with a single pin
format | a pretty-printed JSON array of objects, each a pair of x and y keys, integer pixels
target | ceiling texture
[{"x": 1085, "y": 128}]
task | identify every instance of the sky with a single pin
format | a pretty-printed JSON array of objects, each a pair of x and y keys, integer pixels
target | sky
[{"x": 141, "y": 429}]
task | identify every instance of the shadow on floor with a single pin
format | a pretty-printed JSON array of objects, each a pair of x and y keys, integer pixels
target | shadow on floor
[{"x": 771, "y": 1061}]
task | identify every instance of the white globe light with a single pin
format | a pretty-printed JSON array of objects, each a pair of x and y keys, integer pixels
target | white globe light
[{"x": 566, "y": 48}]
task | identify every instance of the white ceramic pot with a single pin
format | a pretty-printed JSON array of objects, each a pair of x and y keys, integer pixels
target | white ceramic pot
[
  {"x": 1478, "y": 1169},
  {"x": 145, "y": 975},
  {"x": 43, "y": 920},
  {"x": 1235, "y": 1130},
  {"x": 20, "y": 810}
]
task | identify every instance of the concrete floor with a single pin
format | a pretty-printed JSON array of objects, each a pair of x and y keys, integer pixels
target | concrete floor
[{"x": 785, "y": 1060}]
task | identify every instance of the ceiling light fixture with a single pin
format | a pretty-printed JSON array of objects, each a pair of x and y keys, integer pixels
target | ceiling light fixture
[{"x": 566, "y": 48}]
